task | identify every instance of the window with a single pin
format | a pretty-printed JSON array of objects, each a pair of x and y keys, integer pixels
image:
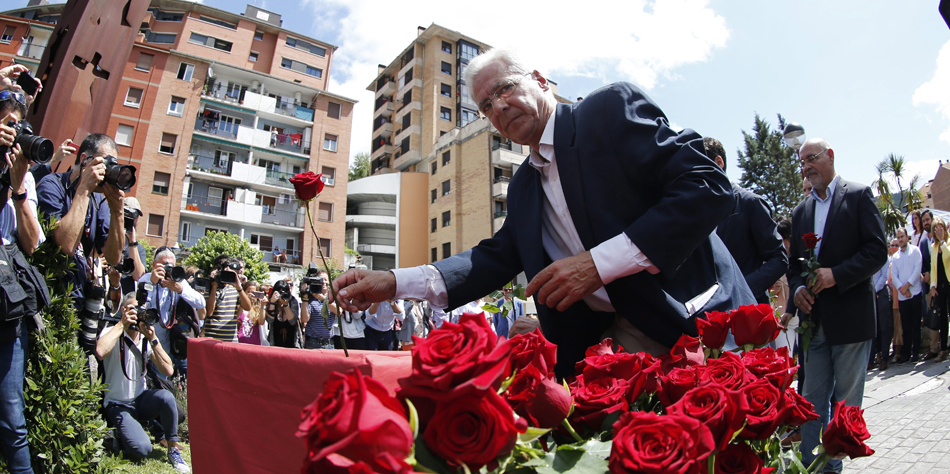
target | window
[
  {"x": 223, "y": 158},
  {"x": 156, "y": 225},
  {"x": 445, "y": 114},
  {"x": 133, "y": 98},
  {"x": 264, "y": 242},
  {"x": 325, "y": 247},
  {"x": 259, "y": 35},
  {"x": 446, "y": 218},
  {"x": 405, "y": 79},
  {"x": 160, "y": 183},
  {"x": 176, "y": 106},
  {"x": 446, "y": 68},
  {"x": 166, "y": 16},
  {"x": 406, "y": 120},
  {"x": 185, "y": 231},
  {"x": 435, "y": 167},
  {"x": 145, "y": 62},
  {"x": 435, "y": 195},
  {"x": 210, "y": 41},
  {"x": 300, "y": 67},
  {"x": 407, "y": 97},
  {"x": 199, "y": 39},
  {"x": 253, "y": 56},
  {"x": 468, "y": 117},
  {"x": 435, "y": 254},
  {"x": 211, "y": 230},
  {"x": 215, "y": 196},
  {"x": 446, "y": 187},
  {"x": 446, "y": 47},
  {"x": 435, "y": 224},
  {"x": 446, "y": 157},
  {"x": 218, "y": 22},
  {"x": 8, "y": 33},
  {"x": 160, "y": 38},
  {"x": 328, "y": 175},
  {"x": 306, "y": 46},
  {"x": 168, "y": 143},
  {"x": 287, "y": 63},
  {"x": 312, "y": 71},
  {"x": 333, "y": 110},
  {"x": 222, "y": 45},
  {"x": 329, "y": 142},
  {"x": 185, "y": 71},
  {"x": 325, "y": 212},
  {"x": 446, "y": 90},
  {"x": 447, "y": 250},
  {"x": 123, "y": 135}
]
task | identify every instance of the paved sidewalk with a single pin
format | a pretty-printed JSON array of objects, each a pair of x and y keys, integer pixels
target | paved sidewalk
[{"x": 907, "y": 409}]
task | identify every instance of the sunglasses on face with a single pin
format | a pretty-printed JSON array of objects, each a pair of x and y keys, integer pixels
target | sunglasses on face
[{"x": 7, "y": 95}]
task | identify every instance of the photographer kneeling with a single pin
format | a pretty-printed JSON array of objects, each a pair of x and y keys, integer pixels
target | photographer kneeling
[{"x": 123, "y": 352}]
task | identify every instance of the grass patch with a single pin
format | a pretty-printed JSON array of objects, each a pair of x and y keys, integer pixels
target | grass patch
[{"x": 157, "y": 461}]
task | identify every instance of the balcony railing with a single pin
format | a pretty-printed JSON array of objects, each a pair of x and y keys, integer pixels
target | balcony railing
[
  {"x": 501, "y": 214},
  {"x": 502, "y": 179},
  {"x": 30, "y": 50},
  {"x": 289, "y": 143},
  {"x": 206, "y": 204},
  {"x": 209, "y": 164},
  {"x": 279, "y": 216},
  {"x": 218, "y": 128},
  {"x": 278, "y": 178}
]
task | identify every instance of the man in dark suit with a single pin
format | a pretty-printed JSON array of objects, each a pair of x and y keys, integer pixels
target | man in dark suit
[
  {"x": 624, "y": 242},
  {"x": 750, "y": 234},
  {"x": 852, "y": 248}
]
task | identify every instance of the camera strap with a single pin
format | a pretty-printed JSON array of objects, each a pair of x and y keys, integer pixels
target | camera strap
[
  {"x": 171, "y": 306},
  {"x": 128, "y": 342}
]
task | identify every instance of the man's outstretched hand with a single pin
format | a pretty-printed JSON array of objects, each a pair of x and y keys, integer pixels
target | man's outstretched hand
[
  {"x": 565, "y": 282},
  {"x": 357, "y": 289}
]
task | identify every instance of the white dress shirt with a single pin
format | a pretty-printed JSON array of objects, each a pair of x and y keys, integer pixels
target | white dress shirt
[
  {"x": 822, "y": 206},
  {"x": 614, "y": 258},
  {"x": 905, "y": 268},
  {"x": 385, "y": 318}
]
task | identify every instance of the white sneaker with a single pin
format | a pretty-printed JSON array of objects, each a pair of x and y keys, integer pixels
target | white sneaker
[{"x": 174, "y": 458}]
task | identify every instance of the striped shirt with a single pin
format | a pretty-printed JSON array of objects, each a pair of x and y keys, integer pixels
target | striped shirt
[
  {"x": 223, "y": 324},
  {"x": 317, "y": 327}
]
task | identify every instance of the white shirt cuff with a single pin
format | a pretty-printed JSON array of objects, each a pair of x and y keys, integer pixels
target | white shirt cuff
[
  {"x": 422, "y": 282},
  {"x": 619, "y": 257}
]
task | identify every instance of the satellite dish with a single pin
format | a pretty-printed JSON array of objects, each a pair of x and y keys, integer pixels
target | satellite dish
[{"x": 210, "y": 72}]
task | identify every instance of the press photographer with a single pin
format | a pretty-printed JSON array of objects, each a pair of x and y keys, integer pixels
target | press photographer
[
  {"x": 87, "y": 202},
  {"x": 123, "y": 351},
  {"x": 225, "y": 298},
  {"x": 170, "y": 286},
  {"x": 20, "y": 234},
  {"x": 132, "y": 266},
  {"x": 283, "y": 310},
  {"x": 313, "y": 291}
]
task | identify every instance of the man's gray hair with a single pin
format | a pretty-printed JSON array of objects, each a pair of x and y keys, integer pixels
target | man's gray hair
[
  {"x": 507, "y": 57},
  {"x": 165, "y": 253},
  {"x": 126, "y": 299}
]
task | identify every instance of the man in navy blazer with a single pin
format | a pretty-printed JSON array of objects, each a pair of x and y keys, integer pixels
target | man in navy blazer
[
  {"x": 750, "y": 234},
  {"x": 611, "y": 218},
  {"x": 851, "y": 250}
]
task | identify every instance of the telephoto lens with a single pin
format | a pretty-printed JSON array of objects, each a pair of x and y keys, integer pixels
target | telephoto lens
[
  {"x": 176, "y": 274},
  {"x": 89, "y": 318},
  {"x": 120, "y": 176}
]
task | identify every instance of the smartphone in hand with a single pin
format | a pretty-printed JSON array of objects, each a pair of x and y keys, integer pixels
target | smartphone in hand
[{"x": 27, "y": 83}]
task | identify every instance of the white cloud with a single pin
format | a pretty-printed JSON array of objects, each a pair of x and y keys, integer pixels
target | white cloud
[
  {"x": 936, "y": 91},
  {"x": 642, "y": 41}
]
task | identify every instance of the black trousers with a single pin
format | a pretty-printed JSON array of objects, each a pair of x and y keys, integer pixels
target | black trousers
[
  {"x": 943, "y": 305},
  {"x": 885, "y": 323},
  {"x": 911, "y": 311}
]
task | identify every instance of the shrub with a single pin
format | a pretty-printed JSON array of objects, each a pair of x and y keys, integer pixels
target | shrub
[{"x": 210, "y": 246}]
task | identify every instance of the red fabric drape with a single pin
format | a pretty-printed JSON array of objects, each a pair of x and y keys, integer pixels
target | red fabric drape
[{"x": 244, "y": 401}]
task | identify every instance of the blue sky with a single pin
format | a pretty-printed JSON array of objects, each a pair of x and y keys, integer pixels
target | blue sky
[{"x": 864, "y": 75}]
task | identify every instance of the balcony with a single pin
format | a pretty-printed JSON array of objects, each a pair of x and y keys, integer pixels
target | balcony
[
  {"x": 291, "y": 143},
  {"x": 217, "y": 128},
  {"x": 208, "y": 164},
  {"x": 405, "y": 160},
  {"x": 205, "y": 204},
  {"x": 505, "y": 157},
  {"x": 499, "y": 188},
  {"x": 386, "y": 109},
  {"x": 278, "y": 178},
  {"x": 376, "y": 248},
  {"x": 263, "y": 139},
  {"x": 244, "y": 213},
  {"x": 386, "y": 89},
  {"x": 31, "y": 50},
  {"x": 386, "y": 148},
  {"x": 371, "y": 221},
  {"x": 283, "y": 108},
  {"x": 499, "y": 220},
  {"x": 270, "y": 215}
]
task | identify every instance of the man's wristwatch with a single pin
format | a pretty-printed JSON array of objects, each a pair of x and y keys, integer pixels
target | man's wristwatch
[
  {"x": 154, "y": 342},
  {"x": 134, "y": 243},
  {"x": 19, "y": 196}
]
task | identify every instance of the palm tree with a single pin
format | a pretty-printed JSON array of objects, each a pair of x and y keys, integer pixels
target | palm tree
[{"x": 895, "y": 207}]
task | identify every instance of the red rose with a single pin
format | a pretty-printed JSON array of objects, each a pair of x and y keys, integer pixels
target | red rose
[
  {"x": 800, "y": 411},
  {"x": 846, "y": 433},
  {"x": 774, "y": 365},
  {"x": 596, "y": 399},
  {"x": 335, "y": 464},
  {"x": 714, "y": 328},
  {"x": 355, "y": 417},
  {"x": 455, "y": 360},
  {"x": 534, "y": 349},
  {"x": 811, "y": 240},
  {"x": 755, "y": 324},
  {"x": 720, "y": 409},
  {"x": 690, "y": 349},
  {"x": 645, "y": 442},
  {"x": 679, "y": 381},
  {"x": 728, "y": 370},
  {"x": 740, "y": 459},
  {"x": 307, "y": 185},
  {"x": 538, "y": 398},
  {"x": 767, "y": 410},
  {"x": 473, "y": 430}
]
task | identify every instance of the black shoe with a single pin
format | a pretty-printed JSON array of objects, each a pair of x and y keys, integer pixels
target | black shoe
[
  {"x": 930, "y": 355},
  {"x": 914, "y": 359},
  {"x": 903, "y": 360}
]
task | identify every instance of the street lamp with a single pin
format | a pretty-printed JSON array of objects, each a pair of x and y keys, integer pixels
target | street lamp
[{"x": 794, "y": 136}]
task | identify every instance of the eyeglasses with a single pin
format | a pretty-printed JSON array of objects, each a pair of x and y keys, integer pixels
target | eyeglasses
[
  {"x": 501, "y": 91},
  {"x": 7, "y": 95},
  {"x": 811, "y": 159},
  {"x": 894, "y": 245}
]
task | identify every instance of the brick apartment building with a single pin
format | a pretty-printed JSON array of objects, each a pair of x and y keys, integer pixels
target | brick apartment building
[
  {"x": 217, "y": 111},
  {"x": 425, "y": 120}
]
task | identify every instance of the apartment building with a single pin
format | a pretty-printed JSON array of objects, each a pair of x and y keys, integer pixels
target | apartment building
[
  {"x": 217, "y": 111},
  {"x": 385, "y": 222},
  {"x": 425, "y": 120}
]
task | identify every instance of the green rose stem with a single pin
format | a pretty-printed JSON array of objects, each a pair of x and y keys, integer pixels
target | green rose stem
[
  {"x": 820, "y": 461},
  {"x": 570, "y": 429},
  {"x": 711, "y": 463},
  {"x": 339, "y": 318}
]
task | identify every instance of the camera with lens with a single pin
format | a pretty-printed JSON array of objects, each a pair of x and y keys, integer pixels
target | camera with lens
[
  {"x": 34, "y": 148},
  {"x": 120, "y": 176},
  {"x": 147, "y": 316},
  {"x": 199, "y": 282},
  {"x": 92, "y": 311},
  {"x": 227, "y": 272},
  {"x": 312, "y": 283},
  {"x": 174, "y": 273},
  {"x": 126, "y": 267},
  {"x": 283, "y": 289},
  {"x": 130, "y": 215}
]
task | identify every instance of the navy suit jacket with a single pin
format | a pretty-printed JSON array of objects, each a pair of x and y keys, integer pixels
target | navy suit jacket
[
  {"x": 854, "y": 248},
  {"x": 622, "y": 169},
  {"x": 752, "y": 238}
]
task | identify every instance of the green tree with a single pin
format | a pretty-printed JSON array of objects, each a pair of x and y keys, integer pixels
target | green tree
[
  {"x": 360, "y": 167},
  {"x": 769, "y": 168},
  {"x": 210, "y": 246},
  {"x": 894, "y": 207}
]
